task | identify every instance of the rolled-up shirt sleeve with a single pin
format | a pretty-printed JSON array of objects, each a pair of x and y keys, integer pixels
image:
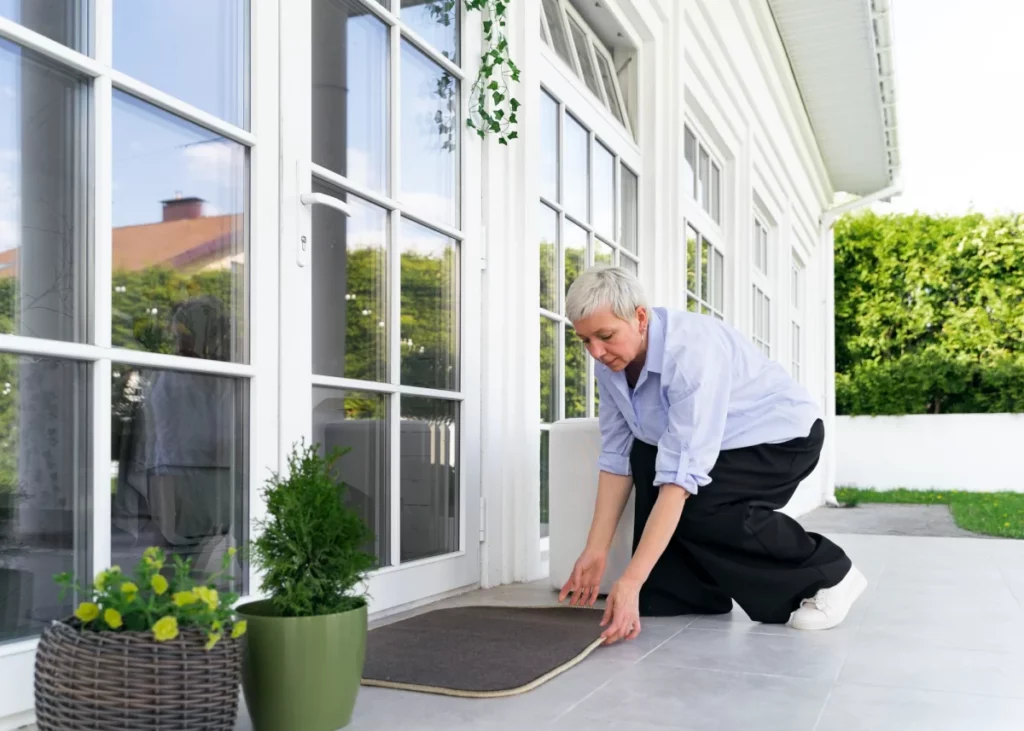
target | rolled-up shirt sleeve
[
  {"x": 698, "y": 399},
  {"x": 616, "y": 436}
]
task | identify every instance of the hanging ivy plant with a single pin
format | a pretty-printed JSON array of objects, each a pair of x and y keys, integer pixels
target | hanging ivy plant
[{"x": 493, "y": 108}]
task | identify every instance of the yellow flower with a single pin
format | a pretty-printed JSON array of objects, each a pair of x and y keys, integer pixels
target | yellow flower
[
  {"x": 101, "y": 580},
  {"x": 184, "y": 598},
  {"x": 87, "y": 612},
  {"x": 159, "y": 584},
  {"x": 232, "y": 551},
  {"x": 214, "y": 639},
  {"x": 153, "y": 557},
  {"x": 239, "y": 629},
  {"x": 165, "y": 629},
  {"x": 129, "y": 590},
  {"x": 207, "y": 595},
  {"x": 113, "y": 618}
]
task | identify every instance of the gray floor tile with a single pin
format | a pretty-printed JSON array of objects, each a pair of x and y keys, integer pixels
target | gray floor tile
[
  {"x": 909, "y": 663},
  {"x": 812, "y": 655},
  {"x": 867, "y": 708},
  {"x": 700, "y": 700}
]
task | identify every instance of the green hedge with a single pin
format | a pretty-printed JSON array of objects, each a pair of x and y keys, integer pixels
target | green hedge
[{"x": 929, "y": 314}]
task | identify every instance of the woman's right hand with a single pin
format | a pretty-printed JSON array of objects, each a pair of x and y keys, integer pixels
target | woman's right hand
[{"x": 585, "y": 582}]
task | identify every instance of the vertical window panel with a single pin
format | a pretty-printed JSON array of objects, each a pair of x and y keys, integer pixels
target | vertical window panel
[
  {"x": 603, "y": 191},
  {"x": 549, "y": 148},
  {"x": 630, "y": 210},
  {"x": 435, "y": 22},
  {"x": 576, "y": 170},
  {"x": 548, "y": 371},
  {"x": 575, "y": 375},
  {"x": 547, "y": 224}
]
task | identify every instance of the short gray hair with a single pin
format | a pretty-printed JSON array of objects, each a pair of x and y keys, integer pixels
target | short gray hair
[{"x": 605, "y": 287}]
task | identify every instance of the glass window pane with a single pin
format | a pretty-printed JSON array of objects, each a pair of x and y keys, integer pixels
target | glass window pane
[
  {"x": 692, "y": 304},
  {"x": 604, "y": 191},
  {"x": 44, "y": 488},
  {"x": 716, "y": 193},
  {"x": 575, "y": 375},
  {"x": 195, "y": 50},
  {"x": 358, "y": 420},
  {"x": 64, "y": 21},
  {"x": 586, "y": 63},
  {"x": 609, "y": 85},
  {"x": 705, "y": 272},
  {"x": 350, "y": 110},
  {"x": 629, "y": 233},
  {"x": 702, "y": 179},
  {"x": 549, "y": 156},
  {"x": 179, "y": 468},
  {"x": 756, "y": 313},
  {"x": 692, "y": 259},
  {"x": 719, "y": 266},
  {"x": 430, "y": 313},
  {"x": 548, "y": 225},
  {"x": 544, "y": 482},
  {"x": 548, "y": 370},
  {"x": 689, "y": 164},
  {"x": 544, "y": 32},
  {"x": 558, "y": 35},
  {"x": 603, "y": 253},
  {"x": 576, "y": 169},
  {"x": 436, "y": 22},
  {"x": 180, "y": 263},
  {"x": 575, "y": 242},
  {"x": 351, "y": 302},
  {"x": 766, "y": 313},
  {"x": 431, "y": 131},
  {"x": 44, "y": 185},
  {"x": 430, "y": 477},
  {"x": 705, "y": 310},
  {"x": 628, "y": 264}
]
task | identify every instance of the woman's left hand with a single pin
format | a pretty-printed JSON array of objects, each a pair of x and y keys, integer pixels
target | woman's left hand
[{"x": 622, "y": 613}]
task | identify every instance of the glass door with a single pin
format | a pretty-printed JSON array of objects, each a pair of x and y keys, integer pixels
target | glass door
[{"x": 380, "y": 298}]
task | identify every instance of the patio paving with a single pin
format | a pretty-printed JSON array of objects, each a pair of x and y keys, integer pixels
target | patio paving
[
  {"x": 936, "y": 643},
  {"x": 886, "y": 519}
]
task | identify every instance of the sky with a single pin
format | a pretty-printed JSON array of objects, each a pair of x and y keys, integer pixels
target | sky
[{"x": 960, "y": 87}]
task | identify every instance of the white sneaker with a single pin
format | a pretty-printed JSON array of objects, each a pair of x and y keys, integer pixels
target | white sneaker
[{"x": 830, "y": 606}]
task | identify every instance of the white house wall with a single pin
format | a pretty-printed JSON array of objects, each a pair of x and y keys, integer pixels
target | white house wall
[{"x": 720, "y": 66}]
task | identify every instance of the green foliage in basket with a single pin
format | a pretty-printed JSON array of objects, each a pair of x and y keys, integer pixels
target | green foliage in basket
[
  {"x": 156, "y": 600},
  {"x": 310, "y": 548}
]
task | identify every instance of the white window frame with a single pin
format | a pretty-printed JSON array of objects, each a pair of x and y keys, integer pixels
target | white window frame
[
  {"x": 572, "y": 96},
  {"x": 261, "y": 370},
  {"x": 798, "y": 298},
  {"x": 762, "y": 303},
  {"x": 400, "y": 582},
  {"x": 709, "y": 229},
  {"x": 761, "y": 318},
  {"x": 712, "y": 203}
]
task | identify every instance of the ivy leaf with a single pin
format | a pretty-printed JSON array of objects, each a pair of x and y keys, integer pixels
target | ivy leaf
[{"x": 493, "y": 86}]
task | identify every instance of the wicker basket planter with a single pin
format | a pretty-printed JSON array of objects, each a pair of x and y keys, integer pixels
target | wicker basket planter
[{"x": 121, "y": 681}]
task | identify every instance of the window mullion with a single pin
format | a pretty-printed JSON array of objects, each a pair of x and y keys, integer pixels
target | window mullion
[{"x": 395, "y": 287}]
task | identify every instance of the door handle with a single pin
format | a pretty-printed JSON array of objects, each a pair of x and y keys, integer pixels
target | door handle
[{"x": 322, "y": 199}]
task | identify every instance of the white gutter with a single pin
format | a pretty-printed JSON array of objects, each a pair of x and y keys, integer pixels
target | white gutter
[{"x": 827, "y": 241}]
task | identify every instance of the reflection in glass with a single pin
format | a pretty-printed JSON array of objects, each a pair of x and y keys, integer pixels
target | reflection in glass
[
  {"x": 609, "y": 85},
  {"x": 576, "y": 170},
  {"x": 350, "y": 289},
  {"x": 689, "y": 173},
  {"x": 719, "y": 289},
  {"x": 575, "y": 239},
  {"x": 358, "y": 421},
  {"x": 604, "y": 191},
  {"x": 547, "y": 224},
  {"x": 44, "y": 184},
  {"x": 436, "y": 22},
  {"x": 195, "y": 50},
  {"x": 558, "y": 35},
  {"x": 603, "y": 253},
  {"x": 628, "y": 264},
  {"x": 716, "y": 186},
  {"x": 180, "y": 240},
  {"x": 430, "y": 477},
  {"x": 628, "y": 195},
  {"x": 702, "y": 179},
  {"x": 549, "y": 147},
  {"x": 544, "y": 484},
  {"x": 583, "y": 52},
  {"x": 692, "y": 259},
  {"x": 179, "y": 466},
  {"x": 705, "y": 271},
  {"x": 64, "y": 21},
  {"x": 548, "y": 370},
  {"x": 351, "y": 82},
  {"x": 575, "y": 375},
  {"x": 430, "y": 308},
  {"x": 44, "y": 488},
  {"x": 431, "y": 129}
]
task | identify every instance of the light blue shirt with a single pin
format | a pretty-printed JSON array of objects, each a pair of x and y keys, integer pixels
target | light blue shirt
[{"x": 704, "y": 388}]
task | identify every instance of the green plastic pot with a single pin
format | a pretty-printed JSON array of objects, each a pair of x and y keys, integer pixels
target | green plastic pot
[{"x": 302, "y": 672}]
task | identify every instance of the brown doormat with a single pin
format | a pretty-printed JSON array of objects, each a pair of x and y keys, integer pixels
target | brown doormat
[{"x": 480, "y": 652}]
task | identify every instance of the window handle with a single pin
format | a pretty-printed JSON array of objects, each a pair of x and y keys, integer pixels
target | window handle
[{"x": 322, "y": 199}]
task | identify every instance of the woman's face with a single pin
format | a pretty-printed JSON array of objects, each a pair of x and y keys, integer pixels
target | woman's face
[{"x": 612, "y": 340}]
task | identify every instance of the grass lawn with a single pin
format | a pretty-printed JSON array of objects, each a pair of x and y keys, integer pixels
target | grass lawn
[{"x": 998, "y": 514}]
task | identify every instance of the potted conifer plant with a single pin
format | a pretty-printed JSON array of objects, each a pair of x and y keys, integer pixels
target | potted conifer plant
[{"x": 306, "y": 643}]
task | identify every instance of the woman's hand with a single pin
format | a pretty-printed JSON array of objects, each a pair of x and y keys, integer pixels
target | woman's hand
[
  {"x": 585, "y": 581},
  {"x": 622, "y": 613}
]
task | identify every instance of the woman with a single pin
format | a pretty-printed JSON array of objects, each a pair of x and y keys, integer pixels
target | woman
[{"x": 715, "y": 437}]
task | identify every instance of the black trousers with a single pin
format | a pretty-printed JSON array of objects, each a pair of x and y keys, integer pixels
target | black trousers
[{"x": 731, "y": 543}]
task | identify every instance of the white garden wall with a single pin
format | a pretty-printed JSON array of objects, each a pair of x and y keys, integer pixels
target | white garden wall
[{"x": 973, "y": 452}]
